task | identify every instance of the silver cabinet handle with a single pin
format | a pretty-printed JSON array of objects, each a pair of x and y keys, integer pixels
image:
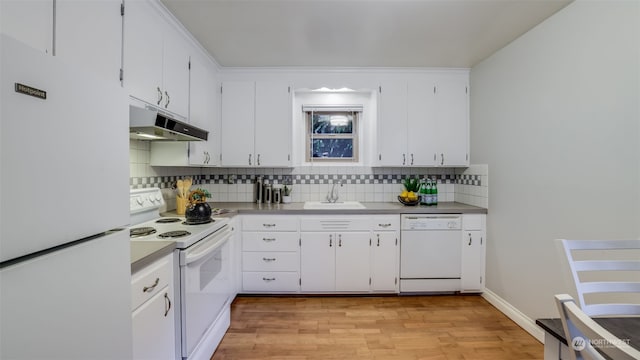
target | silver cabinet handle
[
  {"x": 167, "y": 304},
  {"x": 159, "y": 95},
  {"x": 442, "y": 160},
  {"x": 378, "y": 239},
  {"x": 330, "y": 240},
  {"x": 411, "y": 159},
  {"x": 470, "y": 239},
  {"x": 249, "y": 159},
  {"x": 434, "y": 156},
  {"x": 269, "y": 225},
  {"x": 268, "y": 279},
  {"x": 340, "y": 240},
  {"x": 268, "y": 239},
  {"x": 150, "y": 288},
  {"x": 166, "y": 104},
  {"x": 258, "y": 159},
  {"x": 384, "y": 225},
  {"x": 404, "y": 159},
  {"x": 268, "y": 259}
]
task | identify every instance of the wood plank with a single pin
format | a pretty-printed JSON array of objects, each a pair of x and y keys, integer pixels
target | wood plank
[{"x": 384, "y": 327}]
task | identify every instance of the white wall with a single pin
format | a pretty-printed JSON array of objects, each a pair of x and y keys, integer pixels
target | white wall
[{"x": 556, "y": 116}]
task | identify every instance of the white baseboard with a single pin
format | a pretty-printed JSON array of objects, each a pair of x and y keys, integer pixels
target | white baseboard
[{"x": 528, "y": 324}]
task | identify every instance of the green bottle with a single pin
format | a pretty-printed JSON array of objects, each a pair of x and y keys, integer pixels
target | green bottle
[
  {"x": 423, "y": 193},
  {"x": 434, "y": 192},
  {"x": 429, "y": 200}
]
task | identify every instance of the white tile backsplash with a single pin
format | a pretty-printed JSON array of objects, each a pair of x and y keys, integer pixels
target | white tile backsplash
[{"x": 367, "y": 184}]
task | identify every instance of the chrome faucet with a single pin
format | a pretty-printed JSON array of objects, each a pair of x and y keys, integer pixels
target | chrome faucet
[{"x": 332, "y": 196}]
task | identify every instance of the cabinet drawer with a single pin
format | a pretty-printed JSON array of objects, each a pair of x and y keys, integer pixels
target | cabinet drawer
[
  {"x": 270, "y": 261},
  {"x": 270, "y": 241},
  {"x": 270, "y": 281},
  {"x": 269, "y": 223},
  {"x": 382, "y": 223},
  {"x": 473, "y": 222},
  {"x": 150, "y": 280}
]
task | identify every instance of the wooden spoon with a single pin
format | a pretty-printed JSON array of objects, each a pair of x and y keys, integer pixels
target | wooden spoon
[
  {"x": 187, "y": 186},
  {"x": 180, "y": 185}
]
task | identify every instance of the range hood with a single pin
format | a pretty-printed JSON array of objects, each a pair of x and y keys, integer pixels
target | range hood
[{"x": 151, "y": 124}]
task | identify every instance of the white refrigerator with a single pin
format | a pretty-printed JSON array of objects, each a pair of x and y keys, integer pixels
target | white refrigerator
[{"x": 65, "y": 288}]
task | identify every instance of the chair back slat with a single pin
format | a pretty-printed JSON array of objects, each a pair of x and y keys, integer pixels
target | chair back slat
[
  {"x": 586, "y": 338},
  {"x": 618, "y": 261}
]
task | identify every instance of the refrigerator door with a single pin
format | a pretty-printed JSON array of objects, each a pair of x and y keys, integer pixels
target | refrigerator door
[
  {"x": 74, "y": 303},
  {"x": 64, "y": 164}
]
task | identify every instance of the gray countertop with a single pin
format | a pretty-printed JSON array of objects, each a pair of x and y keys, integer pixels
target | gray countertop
[
  {"x": 144, "y": 253},
  {"x": 370, "y": 208}
]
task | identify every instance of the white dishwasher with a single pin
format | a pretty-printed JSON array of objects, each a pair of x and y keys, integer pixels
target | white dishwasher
[{"x": 430, "y": 253}]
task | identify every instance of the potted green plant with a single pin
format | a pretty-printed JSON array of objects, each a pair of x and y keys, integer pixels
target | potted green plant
[{"x": 286, "y": 194}]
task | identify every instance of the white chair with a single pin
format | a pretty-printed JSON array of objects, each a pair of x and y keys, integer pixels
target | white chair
[
  {"x": 591, "y": 259},
  {"x": 584, "y": 335}
]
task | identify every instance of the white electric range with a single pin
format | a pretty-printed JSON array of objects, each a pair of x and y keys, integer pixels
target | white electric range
[{"x": 204, "y": 266}]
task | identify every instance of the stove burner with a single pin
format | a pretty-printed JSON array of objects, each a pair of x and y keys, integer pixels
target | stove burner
[
  {"x": 198, "y": 222},
  {"x": 141, "y": 231},
  {"x": 174, "y": 234},
  {"x": 167, "y": 220}
]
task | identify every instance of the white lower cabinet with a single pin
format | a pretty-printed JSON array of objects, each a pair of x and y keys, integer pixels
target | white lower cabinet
[
  {"x": 342, "y": 254},
  {"x": 153, "y": 302},
  {"x": 270, "y": 254},
  {"x": 473, "y": 253}
]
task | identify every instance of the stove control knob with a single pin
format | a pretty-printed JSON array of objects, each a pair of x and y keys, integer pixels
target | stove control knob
[
  {"x": 158, "y": 198},
  {"x": 152, "y": 199},
  {"x": 139, "y": 201}
]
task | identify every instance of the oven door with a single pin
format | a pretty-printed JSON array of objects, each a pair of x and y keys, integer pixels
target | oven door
[{"x": 205, "y": 286}]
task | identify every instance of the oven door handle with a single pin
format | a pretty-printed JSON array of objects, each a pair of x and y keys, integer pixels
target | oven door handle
[{"x": 207, "y": 246}]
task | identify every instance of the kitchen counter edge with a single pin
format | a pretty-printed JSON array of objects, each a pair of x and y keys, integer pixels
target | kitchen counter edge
[
  {"x": 144, "y": 253},
  {"x": 370, "y": 208}
]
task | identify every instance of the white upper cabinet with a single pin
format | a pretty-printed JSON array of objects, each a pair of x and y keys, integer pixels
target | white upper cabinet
[
  {"x": 29, "y": 21},
  {"x": 156, "y": 59},
  {"x": 273, "y": 124},
  {"x": 392, "y": 124},
  {"x": 203, "y": 113},
  {"x": 89, "y": 34},
  {"x": 422, "y": 136},
  {"x": 256, "y": 124},
  {"x": 237, "y": 121},
  {"x": 452, "y": 116},
  {"x": 424, "y": 121}
]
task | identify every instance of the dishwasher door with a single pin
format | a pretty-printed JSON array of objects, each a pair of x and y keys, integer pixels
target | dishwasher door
[{"x": 430, "y": 253}]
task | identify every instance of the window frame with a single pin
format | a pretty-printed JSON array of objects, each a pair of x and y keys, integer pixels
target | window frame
[{"x": 354, "y": 135}]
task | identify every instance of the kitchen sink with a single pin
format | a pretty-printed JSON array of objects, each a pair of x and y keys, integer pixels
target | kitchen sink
[{"x": 339, "y": 205}]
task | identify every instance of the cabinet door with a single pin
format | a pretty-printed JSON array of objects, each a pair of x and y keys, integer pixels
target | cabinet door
[
  {"x": 30, "y": 22},
  {"x": 392, "y": 124},
  {"x": 384, "y": 260},
  {"x": 352, "y": 261},
  {"x": 472, "y": 275},
  {"x": 89, "y": 34},
  {"x": 317, "y": 261},
  {"x": 452, "y": 101},
  {"x": 143, "y": 33},
  {"x": 154, "y": 328},
  {"x": 203, "y": 100},
  {"x": 273, "y": 124},
  {"x": 422, "y": 138},
  {"x": 238, "y": 111},
  {"x": 175, "y": 71}
]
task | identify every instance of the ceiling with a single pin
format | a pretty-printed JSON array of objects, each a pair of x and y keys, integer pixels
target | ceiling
[{"x": 358, "y": 33}]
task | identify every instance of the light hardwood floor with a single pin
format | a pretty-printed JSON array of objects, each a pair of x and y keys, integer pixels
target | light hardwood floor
[{"x": 387, "y": 327}]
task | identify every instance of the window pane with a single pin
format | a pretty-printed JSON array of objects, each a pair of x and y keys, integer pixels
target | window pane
[
  {"x": 332, "y": 148},
  {"x": 332, "y": 123}
]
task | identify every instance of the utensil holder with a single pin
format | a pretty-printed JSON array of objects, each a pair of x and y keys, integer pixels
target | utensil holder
[{"x": 181, "y": 205}]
